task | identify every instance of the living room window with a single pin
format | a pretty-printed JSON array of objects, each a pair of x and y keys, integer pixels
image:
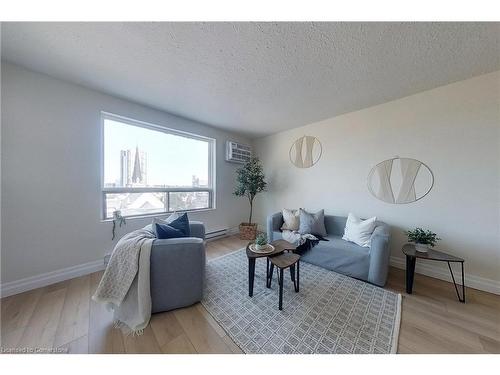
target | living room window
[{"x": 148, "y": 169}]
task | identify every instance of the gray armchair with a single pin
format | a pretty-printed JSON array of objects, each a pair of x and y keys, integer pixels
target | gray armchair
[{"x": 178, "y": 270}]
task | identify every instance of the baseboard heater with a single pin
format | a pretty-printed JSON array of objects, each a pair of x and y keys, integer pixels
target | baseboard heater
[{"x": 217, "y": 234}]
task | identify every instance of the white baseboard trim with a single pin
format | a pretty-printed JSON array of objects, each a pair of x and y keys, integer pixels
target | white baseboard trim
[
  {"x": 29, "y": 283},
  {"x": 38, "y": 281},
  {"x": 471, "y": 281}
]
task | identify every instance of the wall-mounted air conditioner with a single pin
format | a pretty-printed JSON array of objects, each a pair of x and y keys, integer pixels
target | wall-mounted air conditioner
[{"x": 237, "y": 152}]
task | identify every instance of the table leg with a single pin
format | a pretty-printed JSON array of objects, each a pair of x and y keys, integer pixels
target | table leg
[
  {"x": 251, "y": 275},
  {"x": 461, "y": 299},
  {"x": 410, "y": 273},
  {"x": 267, "y": 272},
  {"x": 270, "y": 278},
  {"x": 292, "y": 273},
  {"x": 298, "y": 278},
  {"x": 463, "y": 284},
  {"x": 281, "y": 289}
]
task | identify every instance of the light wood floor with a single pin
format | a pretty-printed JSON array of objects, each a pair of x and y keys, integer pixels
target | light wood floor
[{"x": 63, "y": 316}]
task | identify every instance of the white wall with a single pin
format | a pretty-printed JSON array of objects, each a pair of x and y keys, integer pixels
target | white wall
[
  {"x": 0, "y": 157},
  {"x": 453, "y": 129},
  {"x": 51, "y": 173}
]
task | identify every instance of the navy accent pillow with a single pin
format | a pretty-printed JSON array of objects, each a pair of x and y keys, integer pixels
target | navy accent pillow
[
  {"x": 182, "y": 223},
  {"x": 177, "y": 228},
  {"x": 164, "y": 231}
]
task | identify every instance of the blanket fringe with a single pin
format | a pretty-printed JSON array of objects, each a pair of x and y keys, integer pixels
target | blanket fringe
[
  {"x": 138, "y": 332},
  {"x": 117, "y": 324}
]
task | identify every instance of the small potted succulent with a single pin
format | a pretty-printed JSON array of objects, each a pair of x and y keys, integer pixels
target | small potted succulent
[
  {"x": 261, "y": 241},
  {"x": 422, "y": 239}
]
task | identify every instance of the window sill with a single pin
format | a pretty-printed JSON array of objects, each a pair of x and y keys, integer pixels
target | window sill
[{"x": 128, "y": 218}]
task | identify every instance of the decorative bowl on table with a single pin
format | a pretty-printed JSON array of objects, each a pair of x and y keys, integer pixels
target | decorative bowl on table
[
  {"x": 421, "y": 247},
  {"x": 261, "y": 249}
]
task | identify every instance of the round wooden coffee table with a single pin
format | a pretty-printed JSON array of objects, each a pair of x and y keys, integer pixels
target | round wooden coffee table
[{"x": 279, "y": 247}]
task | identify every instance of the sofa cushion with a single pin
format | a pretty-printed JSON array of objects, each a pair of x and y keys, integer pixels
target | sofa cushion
[
  {"x": 277, "y": 235},
  {"x": 359, "y": 231},
  {"x": 290, "y": 219},
  {"x": 340, "y": 256},
  {"x": 312, "y": 223}
]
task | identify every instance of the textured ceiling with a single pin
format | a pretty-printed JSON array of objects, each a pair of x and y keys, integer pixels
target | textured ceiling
[{"x": 256, "y": 78}]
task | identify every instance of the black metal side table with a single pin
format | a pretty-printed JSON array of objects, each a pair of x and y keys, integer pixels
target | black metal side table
[{"x": 411, "y": 257}]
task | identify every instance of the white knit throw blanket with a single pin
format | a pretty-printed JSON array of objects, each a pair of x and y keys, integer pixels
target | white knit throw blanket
[
  {"x": 125, "y": 285},
  {"x": 297, "y": 238}
]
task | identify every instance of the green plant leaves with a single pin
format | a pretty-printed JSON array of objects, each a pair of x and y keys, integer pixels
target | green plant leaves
[
  {"x": 425, "y": 237},
  {"x": 261, "y": 239},
  {"x": 250, "y": 181}
]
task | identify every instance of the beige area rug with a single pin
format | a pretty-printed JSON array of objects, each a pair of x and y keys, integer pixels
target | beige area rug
[{"x": 332, "y": 313}]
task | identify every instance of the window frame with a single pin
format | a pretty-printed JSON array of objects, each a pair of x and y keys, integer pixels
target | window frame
[{"x": 146, "y": 125}]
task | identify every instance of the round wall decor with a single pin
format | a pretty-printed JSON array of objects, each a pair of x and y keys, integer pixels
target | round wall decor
[
  {"x": 305, "y": 151},
  {"x": 400, "y": 180}
]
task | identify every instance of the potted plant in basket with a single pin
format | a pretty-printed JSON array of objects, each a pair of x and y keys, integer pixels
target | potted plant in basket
[
  {"x": 249, "y": 182},
  {"x": 422, "y": 239}
]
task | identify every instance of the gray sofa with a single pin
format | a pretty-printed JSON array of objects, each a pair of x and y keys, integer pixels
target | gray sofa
[
  {"x": 178, "y": 270},
  {"x": 365, "y": 263}
]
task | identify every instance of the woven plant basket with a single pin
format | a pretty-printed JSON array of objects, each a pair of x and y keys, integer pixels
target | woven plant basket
[{"x": 248, "y": 231}]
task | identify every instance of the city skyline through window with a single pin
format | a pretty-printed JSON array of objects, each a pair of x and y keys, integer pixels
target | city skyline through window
[
  {"x": 169, "y": 160},
  {"x": 151, "y": 171}
]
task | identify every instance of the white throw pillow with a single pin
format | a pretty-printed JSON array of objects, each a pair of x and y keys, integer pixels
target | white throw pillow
[
  {"x": 359, "y": 231},
  {"x": 291, "y": 219}
]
